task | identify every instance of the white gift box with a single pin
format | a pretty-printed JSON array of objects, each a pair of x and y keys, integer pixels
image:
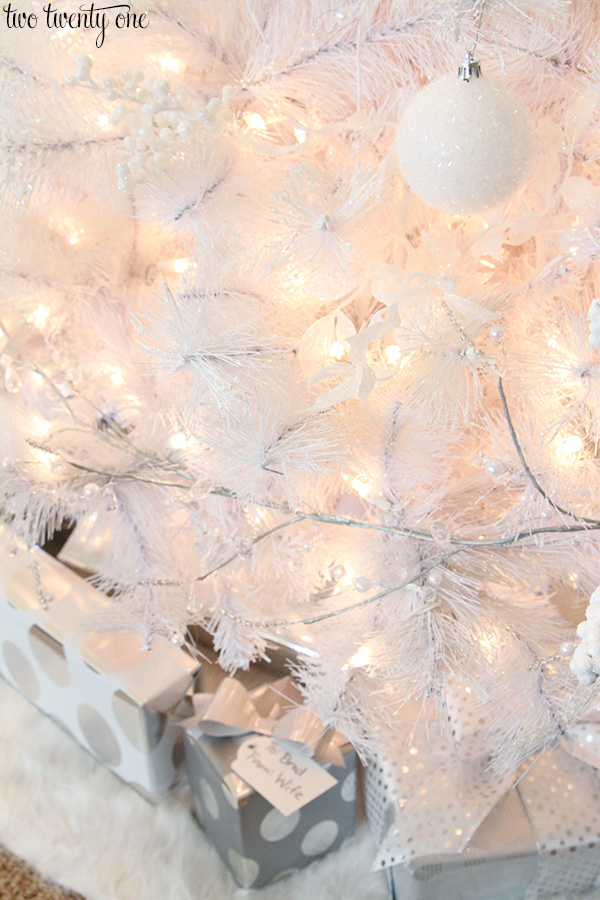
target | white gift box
[{"x": 112, "y": 696}]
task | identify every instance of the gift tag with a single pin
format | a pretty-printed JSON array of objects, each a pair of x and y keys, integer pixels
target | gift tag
[{"x": 286, "y": 777}]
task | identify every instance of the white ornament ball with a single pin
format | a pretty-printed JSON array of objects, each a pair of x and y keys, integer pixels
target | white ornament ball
[{"x": 465, "y": 146}]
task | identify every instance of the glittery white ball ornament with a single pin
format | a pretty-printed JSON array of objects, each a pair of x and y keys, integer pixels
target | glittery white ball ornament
[{"x": 465, "y": 145}]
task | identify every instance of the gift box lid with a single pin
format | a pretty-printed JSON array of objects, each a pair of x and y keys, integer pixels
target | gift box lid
[{"x": 156, "y": 678}]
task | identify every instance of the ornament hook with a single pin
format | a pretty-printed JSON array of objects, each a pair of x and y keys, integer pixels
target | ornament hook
[{"x": 469, "y": 68}]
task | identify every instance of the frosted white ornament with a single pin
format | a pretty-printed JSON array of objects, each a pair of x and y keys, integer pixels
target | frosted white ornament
[{"x": 465, "y": 144}]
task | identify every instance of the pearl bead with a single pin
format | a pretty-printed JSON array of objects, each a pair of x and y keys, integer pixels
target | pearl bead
[
  {"x": 495, "y": 468},
  {"x": 160, "y": 87},
  {"x": 496, "y": 333},
  {"x": 177, "y": 638},
  {"x": 435, "y": 578},
  {"x": 12, "y": 382},
  {"x": 186, "y": 128},
  {"x": 83, "y": 66},
  {"x": 567, "y": 649},
  {"x": 338, "y": 572},
  {"x": 440, "y": 532},
  {"x": 109, "y": 499},
  {"x": 91, "y": 490},
  {"x": 244, "y": 548},
  {"x": 361, "y": 585}
]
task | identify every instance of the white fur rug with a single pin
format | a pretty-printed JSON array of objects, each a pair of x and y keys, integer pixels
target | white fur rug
[{"x": 78, "y": 825}]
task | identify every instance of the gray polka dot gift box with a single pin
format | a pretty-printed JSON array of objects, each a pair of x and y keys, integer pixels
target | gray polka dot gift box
[
  {"x": 272, "y": 790},
  {"x": 112, "y": 696},
  {"x": 449, "y": 828}
]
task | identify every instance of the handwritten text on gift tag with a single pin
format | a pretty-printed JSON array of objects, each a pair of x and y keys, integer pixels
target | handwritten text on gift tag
[{"x": 286, "y": 777}]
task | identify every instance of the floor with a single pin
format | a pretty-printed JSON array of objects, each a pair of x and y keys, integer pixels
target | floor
[{"x": 18, "y": 881}]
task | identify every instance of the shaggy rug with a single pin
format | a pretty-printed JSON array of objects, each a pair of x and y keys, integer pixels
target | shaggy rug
[
  {"x": 18, "y": 881},
  {"x": 81, "y": 827}
]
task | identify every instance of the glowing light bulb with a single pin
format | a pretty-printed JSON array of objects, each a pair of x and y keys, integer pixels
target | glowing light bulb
[
  {"x": 75, "y": 236},
  {"x": 300, "y": 135},
  {"x": 180, "y": 441},
  {"x": 169, "y": 63},
  {"x": 42, "y": 426},
  {"x": 39, "y": 316},
  {"x": 44, "y": 457},
  {"x": 183, "y": 265},
  {"x": 116, "y": 375},
  {"x": 103, "y": 122},
  {"x": 348, "y": 578},
  {"x": 488, "y": 642},
  {"x": 255, "y": 121},
  {"x": 567, "y": 447},
  {"x": 362, "y": 657},
  {"x": 362, "y": 485},
  {"x": 393, "y": 353},
  {"x": 337, "y": 351}
]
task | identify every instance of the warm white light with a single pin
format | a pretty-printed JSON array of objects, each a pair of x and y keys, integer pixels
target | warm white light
[
  {"x": 362, "y": 485},
  {"x": 487, "y": 263},
  {"x": 116, "y": 375},
  {"x": 255, "y": 121},
  {"x": 44, "y": 458},
  {"x": 179, "y": 441},
  {"x": 169, "y": 63},
  {"x": 75, "y": 236},
  {"x": 300, "y": 135},
  {"x": 488, "y": 642},
  {"x": 568, "y": 446},
  {"x": 182, "y": 265},
  {"x": 338, "y": 350},
  {"x": 42, "y": 426},
  {"x": 103, "y": 122},
  {"x": 39, "y": 316},
  {"x": 393, "y": 354},
  {"x": 349, "y": 578},
  {"x": 362, "y": 657}
]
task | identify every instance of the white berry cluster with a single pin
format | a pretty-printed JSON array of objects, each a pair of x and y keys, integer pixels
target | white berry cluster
[
  {"x": 585, "y": 662},
  {"x": 159, "y": 122},
  {"x": 594, "y": 317}
]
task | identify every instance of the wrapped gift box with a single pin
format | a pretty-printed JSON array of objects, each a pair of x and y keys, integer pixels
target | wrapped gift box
[
  {"x": 111, "y": 695},
  {"x": 450, "y": 828},
  {"x": 256, "y": 841}
]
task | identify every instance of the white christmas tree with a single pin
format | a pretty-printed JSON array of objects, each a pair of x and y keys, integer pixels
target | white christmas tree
[{"x": 282, "y": 392}]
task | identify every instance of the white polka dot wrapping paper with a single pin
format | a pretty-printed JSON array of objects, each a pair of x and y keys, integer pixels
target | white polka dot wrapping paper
[
  {"x": 113, "y": 697},
  {"x": 448, "y": 827},
  {"x": 257, "y": 842}
]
